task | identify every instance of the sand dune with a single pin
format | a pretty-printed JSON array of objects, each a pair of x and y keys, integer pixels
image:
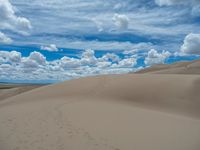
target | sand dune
[
  {"x": 113, "y": 112},
  {"x": 190, "y": 67},
  {"x": 9, "y": 90}
]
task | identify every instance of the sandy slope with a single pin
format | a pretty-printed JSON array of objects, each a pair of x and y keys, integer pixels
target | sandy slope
[
  {"x": 9, "y": 90},
  {"x": 114, "y": 112},
  {"x": 190, "y": 67}
]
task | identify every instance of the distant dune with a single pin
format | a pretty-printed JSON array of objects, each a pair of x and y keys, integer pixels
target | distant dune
[
  {"x": 145, "y": 111},
  {"x": 9, "y": 90},
  {"x": 190, "y": 67}
]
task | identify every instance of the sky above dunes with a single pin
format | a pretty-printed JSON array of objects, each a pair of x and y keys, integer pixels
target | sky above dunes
[{"x": 56, "y": 40}]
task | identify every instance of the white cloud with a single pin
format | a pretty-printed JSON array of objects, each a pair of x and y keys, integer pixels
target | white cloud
[
  {"x": 119, "y": 6},
  {"x": 29, "y": 64},
  {"x": 121, "y": 21},
  {"x": 104, "y": 64},
  {"x": 193, "y": 5},
  {"x": 191, "y": 44},
  {"x": 105, "y": 45},
  {"x": 151, "y": 23},
  {"x": 110, "y": 56},
  {"x": 177, "y": 2},
  {"x": 4, "y": 56},
  {"x": 4, "y": 39},
  {"x": 5, "y": 66},
  {"x": 67, "y": 62},
  {"x": 154, "y": 57},
  {"x": 169, "y": 2},
  {"x": 138, "y": 47},
  {"x": 10, "y": 21},
  {"x": 37, "y": 57},
  {"x": 14, "y": 57},
  {"x": 10, "y": 57},
  {"x": 35, "y": 67},
  {"x": 51, "y": 48},
  {"x": 99, "y": 24},
  {"x": 88, "y": 58},
  {"x": 127, "y": 62}
]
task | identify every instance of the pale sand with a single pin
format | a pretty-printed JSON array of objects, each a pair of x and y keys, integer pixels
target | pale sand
[
  {"x": 9, "y": 90},
  {"x": 190, "y": 67},
  {"x": 114, "y": 112}
]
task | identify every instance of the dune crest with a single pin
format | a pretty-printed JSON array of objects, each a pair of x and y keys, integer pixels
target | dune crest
[{"x": 190, "y": 67}]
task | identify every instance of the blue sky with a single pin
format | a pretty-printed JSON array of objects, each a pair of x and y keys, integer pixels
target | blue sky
[{"x": 56, "y": 40}]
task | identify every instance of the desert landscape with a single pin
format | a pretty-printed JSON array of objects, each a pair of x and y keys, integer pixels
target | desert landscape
[
  {"x": 99, "y": 74},
  {"x": 154, "y": 109}
]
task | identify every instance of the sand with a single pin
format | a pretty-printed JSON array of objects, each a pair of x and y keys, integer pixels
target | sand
[
  {"x": 113, "y": 112},
  {"x": 190, "y": 67},
  {"x": 9, "y": 90}
]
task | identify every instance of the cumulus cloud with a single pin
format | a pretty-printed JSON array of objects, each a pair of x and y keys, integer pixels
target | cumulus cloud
[
  {"x": 37, "y": 57},
  {"x": 67, "y": 62},
  {"x": 127, "y": 62},
  {"x": 3, "y": 56},
  {"x": 103, "y": 64},
  {"x": 51, "y": 48},
  {"x": 121, "y": 21},
  {"x": 35, "y": 66},
  {"x": 29, "y": 64},
  {"x": 14, "y": 57},
  {"x": 88, "y": 58},
  {"x": 10, "y": 21},
  {"x": 154, "y": 57},
  {"x": 10, "y": 57},
  {"x": 4, "y": 39},
  {"x": 110, "y": 57},
  {"x": 191, "y": 44}
]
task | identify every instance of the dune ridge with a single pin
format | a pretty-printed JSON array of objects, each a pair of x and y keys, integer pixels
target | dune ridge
[
  {"x": 183, "y": 90},
  {"x": 187, "y": 67}
]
